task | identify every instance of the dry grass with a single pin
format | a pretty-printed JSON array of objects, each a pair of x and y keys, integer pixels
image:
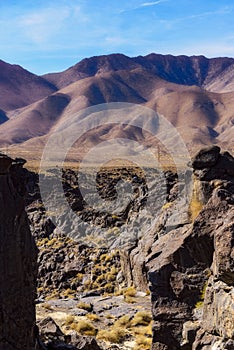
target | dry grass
[
  {"x": 84, "y": 306},
  {"x": 130, "y": 292},
  {"x": 93, "y": 317},
  {"x": 47, "y": 306},
  {"x": 200, "y": 302},
  {"x": 143, "y": 342},
  {"x": 130, "y": 300},
  {"x": 142, "y": 318},
  {"x": 69, "y": 293},
  {"x": 115, "y": 335},
  {"x": 196, "y": 204},
  {"x": 84, "y": 328},
  {"x": 195, "y": 208},
  {"x": 69, "y": 320},
  {"x": 124, "y": 321}
]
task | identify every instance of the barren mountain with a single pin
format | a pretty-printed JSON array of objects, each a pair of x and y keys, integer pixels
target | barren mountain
[
  {"x": 19, "y": 88},
  {"x": 185, "y": 90},
  {"x": 212, "y": 74}
]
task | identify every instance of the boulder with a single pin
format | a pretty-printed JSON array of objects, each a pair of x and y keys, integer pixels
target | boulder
[{"x": 206, "y": 158}]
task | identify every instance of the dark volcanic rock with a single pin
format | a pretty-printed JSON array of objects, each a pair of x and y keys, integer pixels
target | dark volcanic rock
[
  {"x": 54, "y": 339},
  {"x": 17, "y": 264},
  {"x": 206, "y": 158},
  {"x": 49, "y": 329},
  {"x": 190, "y": 267}
]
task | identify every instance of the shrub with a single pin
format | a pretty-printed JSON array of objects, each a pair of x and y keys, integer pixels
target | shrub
[
  {"x": 129, "y": 300},
  {"x": 84, "y": 328},
  {"x": 47, "y": 306},
  {"x": 84, "y": 306},
  {"x": 93, "y": 317},
  {"x": 100, "y": 279},
  {"x": 69, "y": 320},
  {"x": 200, "y": 302},
  {"x": 143, "y": 342},
  {"x": 142, "y": 318},
  {"x": 109, "y": 288},
  {"x": 143, "y": 330},
  {"x": 68, "y": 293},
  {"x": 54, "y": 294},
  {"x": 115, "y": 335},
  {"x": 110, "y": 277},
  {"x": 195, "y": 208},
  {"x": 123, "y": 321},
  {"x": 130, "y": 291}
]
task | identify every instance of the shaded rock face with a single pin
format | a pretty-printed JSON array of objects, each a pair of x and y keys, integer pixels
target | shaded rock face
[
  {"x": 190, "y": 267},
  {"x": 17, "y": 261},
  {"x": 54, "y": 339}
]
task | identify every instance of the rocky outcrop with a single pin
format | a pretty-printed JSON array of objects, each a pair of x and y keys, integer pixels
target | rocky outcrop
[
  {"x": 17, "y": 261},
  {"x": 67, "y": 268},
  {"x": 54, "y": 339},
  {"x": 188, "y": 264},
  {"x": 190, "y": 267}
]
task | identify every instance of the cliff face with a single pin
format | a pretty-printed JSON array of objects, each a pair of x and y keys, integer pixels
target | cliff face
[
  {"x": 17, "y": 261},
  {"x": 191, "y": 268}
]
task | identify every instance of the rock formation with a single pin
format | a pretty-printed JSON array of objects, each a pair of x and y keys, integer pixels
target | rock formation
[
  {"x": 17, "y": 261},
  {"x": 188, "y": 265},
  {"x": 190, "y": 269}
]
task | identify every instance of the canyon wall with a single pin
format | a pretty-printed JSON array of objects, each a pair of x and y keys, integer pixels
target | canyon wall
[{"x": 17, "y": 261}]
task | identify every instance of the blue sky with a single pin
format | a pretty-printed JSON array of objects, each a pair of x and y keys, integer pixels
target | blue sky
[{"x": 48, "y": 36}]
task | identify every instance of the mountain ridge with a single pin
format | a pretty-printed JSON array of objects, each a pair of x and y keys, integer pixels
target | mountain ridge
[
  {"x": 173, "y": 86},
  {"x": 186, "y": 70}
]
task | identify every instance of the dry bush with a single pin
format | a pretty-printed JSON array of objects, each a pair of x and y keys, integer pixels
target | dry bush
[
  {"x": 69, "y": 320},
  {"x": 84, "y": 328},
  {"x": 130, "y": 291},
  {"x": 142, "y": 318},
  {"x": 93, "y": 317},
  {"x": 124, "y": 321},
  {"x": 84, "y": 306},
  {"x": 130, "y": 300},
  {"x": 115, "y": 335},
  {"x": 143, "y": 342}
]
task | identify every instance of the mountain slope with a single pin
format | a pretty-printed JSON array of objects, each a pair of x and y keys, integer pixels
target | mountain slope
[
  {"x": 19, "y": 88},
  {"x": 172, "y": 86},
  {"x": 201, "y": 117},
  {"x": 89, "y": 67},
  {"x": 34, "y": 121}
]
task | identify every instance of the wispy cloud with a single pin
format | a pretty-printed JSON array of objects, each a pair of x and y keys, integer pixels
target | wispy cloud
[
  {"x": 147, "y": 4},
  {"x": 144, "y": 4},
  {"x": 170, "y": 23},
  {"x": 222, "y": 11},
  {"x": 40, "y": 27}
]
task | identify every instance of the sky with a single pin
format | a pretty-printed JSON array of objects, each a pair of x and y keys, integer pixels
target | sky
[{"x": 50, "y": 36}]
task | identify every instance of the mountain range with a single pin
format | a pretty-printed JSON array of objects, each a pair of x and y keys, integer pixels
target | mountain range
[{"x": 195, "y": 94}]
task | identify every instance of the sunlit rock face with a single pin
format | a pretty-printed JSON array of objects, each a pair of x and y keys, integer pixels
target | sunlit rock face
[{"x": 190, "y": 267}]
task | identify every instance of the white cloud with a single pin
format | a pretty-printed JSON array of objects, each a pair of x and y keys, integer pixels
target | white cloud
[
  {"x": 44, "y": 25},
  {"x": 146, "y": 4}
]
